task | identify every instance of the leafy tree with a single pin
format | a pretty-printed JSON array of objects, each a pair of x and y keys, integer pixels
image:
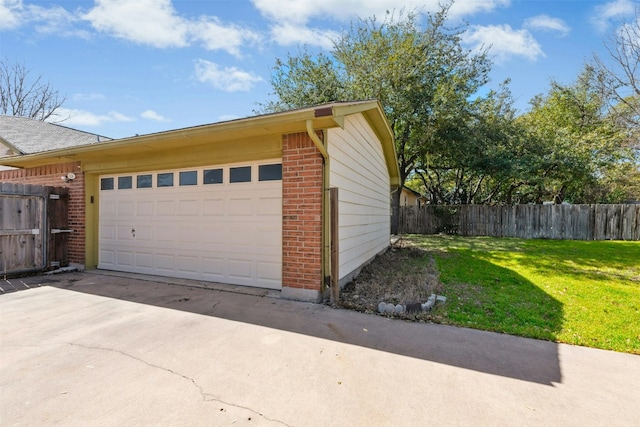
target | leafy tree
[
  {"x": 574, "y": 140},
  {"x": 423, "y": 77},
  {"x": 22, "y": 95},
  {"x": 482, "y": 165}
]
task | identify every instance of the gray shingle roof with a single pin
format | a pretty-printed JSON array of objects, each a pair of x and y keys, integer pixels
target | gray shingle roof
[{"x": 34, "y": 136}]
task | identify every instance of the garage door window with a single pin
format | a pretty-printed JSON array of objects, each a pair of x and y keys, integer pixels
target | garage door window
[
  {"x": 212, "y": 176},
  {"x": 144, "y": 181},
  {"x": 270, "y": 172},
  {"x": 189, "y": 178},
  {"x": 165, "y": 179},
  {"x": 125, "y": 182},
  {"x": 106, "y": 184},
  {"x": 240, "y": 174}
]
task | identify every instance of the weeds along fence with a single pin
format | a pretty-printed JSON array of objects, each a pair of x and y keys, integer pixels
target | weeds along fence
[{"x": 569, "y": 222}]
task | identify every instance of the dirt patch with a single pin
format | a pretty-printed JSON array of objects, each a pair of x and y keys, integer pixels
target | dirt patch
[{"x": 403, "y": 274}]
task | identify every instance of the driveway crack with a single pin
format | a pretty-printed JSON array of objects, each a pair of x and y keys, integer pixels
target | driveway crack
[{"x": 206, "y": 397}]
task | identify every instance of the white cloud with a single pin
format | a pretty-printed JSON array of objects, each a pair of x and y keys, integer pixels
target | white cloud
[
  {"x": 547, "y": 23},
  {"x": 87, "y": 97},
  {"x": 73, "y": 117},
  {"x": 152, "y": 22},
  {"x": 504, "y": 42},
  {"x": 229, "y": 79},
  {"x": 152, "y": 115},
  {"x": 156, "y": 23},
  {"x": 55, "y": 20},
  {"x": 462, "y": 8},
  {"x": 288, "y": 34},
  {"x": 216, "y": 36},
  {"x": 48, "y": 20},
  {"x": 301, "y": 11},
  {"x": 612, "y": 11},
  {"x": 290, "y": 18},
  {"x": 10, "y": 14}
]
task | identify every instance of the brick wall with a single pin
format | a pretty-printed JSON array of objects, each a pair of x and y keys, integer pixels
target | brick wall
[
  {"x": 301, "y": 213},
  {"x": 50, "y": 176}
]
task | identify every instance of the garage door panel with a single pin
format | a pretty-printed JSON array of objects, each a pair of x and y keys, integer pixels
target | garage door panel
[
  {"x": 144, "y": 233},
  {"x": 189, "y": 235},
  {"x": 107, "y": 207},
  {"x": 223, "y": 232},
  {"x": 240, "y": 207},
  {"x": 268, "y": 238},
  {"x": 240, "y": 268},
  {"x": 107, "y": 232},
  {"x": 165, "y": 233},
  {"x": 125, "y": 208},
  {"x": 215, "y": 239},
  {"x": 213, "y": 207},
  {"x": 144, "y": 208},
  {"x": 188, "y": 208},
  {"x": 269, "y": 270},
  {"x": 124, "y": 232},
  {"x": 144, "y": 260},
  {"x": 107, "y": 257},
  {"x": 124, "y": 258},
  {"x": 213, "y": 265},
  {"x": 164, "y": 262},
  {"x": 269, "y": 206},
  {"x": 188, "y": 264},
  {"x": 165, "y": 207}
]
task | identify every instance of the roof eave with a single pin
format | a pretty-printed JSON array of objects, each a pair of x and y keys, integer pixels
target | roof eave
[{"x": 323, "y": 117}]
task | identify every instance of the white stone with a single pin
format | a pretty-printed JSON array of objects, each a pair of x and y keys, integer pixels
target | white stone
[{"x": 428, "y": 305}]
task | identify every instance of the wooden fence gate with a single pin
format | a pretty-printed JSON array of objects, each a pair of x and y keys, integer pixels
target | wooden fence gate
[{"x": 34, "y": 229}]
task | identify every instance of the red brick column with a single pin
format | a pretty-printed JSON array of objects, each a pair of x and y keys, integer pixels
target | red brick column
[
  {"x": 302, "y": 166},
  {"x": 50, "y": 175}
]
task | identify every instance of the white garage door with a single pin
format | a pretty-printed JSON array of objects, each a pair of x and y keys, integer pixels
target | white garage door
[{"x": 219, "y": 223}]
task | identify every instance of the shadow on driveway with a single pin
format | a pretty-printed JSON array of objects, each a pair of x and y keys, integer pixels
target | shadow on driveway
[{"x": 498, "y": 354}]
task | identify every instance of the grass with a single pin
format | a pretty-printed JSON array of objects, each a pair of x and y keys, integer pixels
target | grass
[{"x": 577, "y": 292}]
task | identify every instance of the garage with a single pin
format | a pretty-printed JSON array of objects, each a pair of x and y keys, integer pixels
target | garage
[
  {"x": 296, "y": 201},
  {"x": 220, "y": 223}
]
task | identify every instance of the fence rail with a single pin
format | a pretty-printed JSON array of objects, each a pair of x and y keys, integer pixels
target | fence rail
[{"x": 569, "y": 222}]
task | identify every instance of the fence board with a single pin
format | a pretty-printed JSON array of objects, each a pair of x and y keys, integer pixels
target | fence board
[
  {"x": 27, "y": 216},
  {"x": 570, "y": 222}
]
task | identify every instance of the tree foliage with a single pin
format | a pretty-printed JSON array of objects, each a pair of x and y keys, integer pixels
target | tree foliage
[
  {"x": 575, "y": 139},
  {"x": 459, "y": 145},
  {"x": 24, "y": 95},
  {"x": 423, "y": 77}
]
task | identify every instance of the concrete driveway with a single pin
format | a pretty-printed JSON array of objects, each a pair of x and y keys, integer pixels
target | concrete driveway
[{"x": 101, "y": 349}]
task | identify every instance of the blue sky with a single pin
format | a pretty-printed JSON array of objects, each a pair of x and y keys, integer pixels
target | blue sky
[{"x": 132, "y": 67}]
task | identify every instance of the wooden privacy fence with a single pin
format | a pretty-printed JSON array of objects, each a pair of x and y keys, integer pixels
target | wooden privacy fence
[
  {"x": 33, "y": 227},
  {"x": 569, "y": 222}
]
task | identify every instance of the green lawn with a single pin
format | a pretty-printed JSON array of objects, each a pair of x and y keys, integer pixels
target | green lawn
[{"x": 578, "y": 292}]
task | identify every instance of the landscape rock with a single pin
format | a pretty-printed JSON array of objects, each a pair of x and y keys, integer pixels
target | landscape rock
[{"x": 389, "y": 308}]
